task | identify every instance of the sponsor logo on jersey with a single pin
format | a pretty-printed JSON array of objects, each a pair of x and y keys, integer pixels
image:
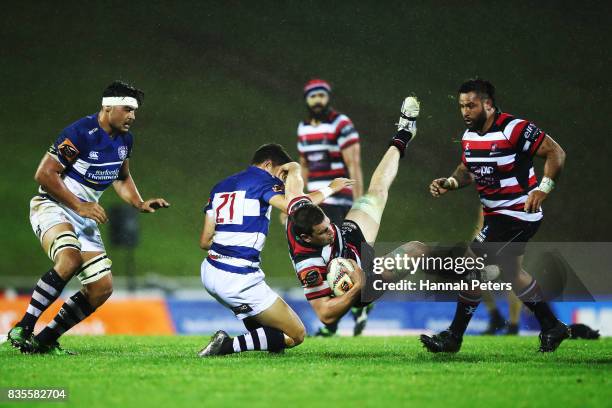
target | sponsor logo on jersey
[
  {"x": 529, "y": 132},
  {"x": 311, "y": 277},
  {"x": 93, "y": 155},
  {"x": 102, "y": 175},
  {"x": 92, "y": 131},
  {"x": 123, "y": 152},
  {"x": 484, "y": 170}
]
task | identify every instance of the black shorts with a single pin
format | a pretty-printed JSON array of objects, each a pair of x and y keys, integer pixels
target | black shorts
[
  {"x": 335, "y": 213},
  {"x": 357, "y": 248},
  {"x": 503, "y": 235}
]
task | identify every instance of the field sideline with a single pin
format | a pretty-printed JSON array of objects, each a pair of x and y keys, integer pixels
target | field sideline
[{"x": 367, "y": 371}]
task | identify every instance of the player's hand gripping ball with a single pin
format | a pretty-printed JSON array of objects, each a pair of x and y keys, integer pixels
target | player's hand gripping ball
[{"x": 338, "y": 278}]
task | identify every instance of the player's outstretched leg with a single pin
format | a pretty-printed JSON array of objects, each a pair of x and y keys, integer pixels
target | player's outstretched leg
[
  {"x": 273, "y": 330},
  {"x": 367, "y": 210}
]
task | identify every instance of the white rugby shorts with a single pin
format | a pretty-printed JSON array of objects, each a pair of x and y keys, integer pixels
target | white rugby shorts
[
  {"x": 46, "y": 213},
  {"x": 244, "y": 294}
]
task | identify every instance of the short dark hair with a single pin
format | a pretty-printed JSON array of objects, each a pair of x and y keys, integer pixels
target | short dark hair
[
  {"x": 483, "y": 88},
  {"x": 305, "y": 218},
  {"x": 273, "y": 152},
  {"x": 120, "y": 88}
]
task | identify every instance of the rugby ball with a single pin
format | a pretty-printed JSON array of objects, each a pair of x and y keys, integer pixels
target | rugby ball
[{"x": 337, "y": 277}]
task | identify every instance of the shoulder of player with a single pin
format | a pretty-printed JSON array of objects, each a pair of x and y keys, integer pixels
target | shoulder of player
[
  {"x": 512, "y": 126},
  {"x": 339, "y": 120},
  {"x": 86, "y": 133},
  {"x": 81, "y": 127}
]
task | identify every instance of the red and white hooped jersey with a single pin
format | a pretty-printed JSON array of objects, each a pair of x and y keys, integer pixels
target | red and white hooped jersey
[
  {"x": 321, "y": 146},
  {"x": 502, "y": 165}
]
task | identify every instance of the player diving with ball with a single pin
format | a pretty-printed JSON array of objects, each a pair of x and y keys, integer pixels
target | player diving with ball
[
  {"x": 88, "y": 156},
  {"x": 314, "y": 241}
]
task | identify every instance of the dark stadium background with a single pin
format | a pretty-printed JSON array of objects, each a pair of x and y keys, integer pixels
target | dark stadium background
[{"x": 223, "y": 78}]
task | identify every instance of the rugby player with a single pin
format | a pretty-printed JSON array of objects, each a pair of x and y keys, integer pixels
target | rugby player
[
  {"x": 88, "y": 156},
  {"x": 498, "y": 151},
  {"x": 236, "y": 223},
  {"x": 329, "y": 147},
  {"x": 314, "y": 240}
]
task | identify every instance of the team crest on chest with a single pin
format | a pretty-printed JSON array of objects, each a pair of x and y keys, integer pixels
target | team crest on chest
[
  {"x": 123, "y": 152},
  {"x": 467, "y": 151}
]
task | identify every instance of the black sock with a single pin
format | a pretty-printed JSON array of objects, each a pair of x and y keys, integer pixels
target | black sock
[
  {"x": 401, "y": 140},
  {"x": 532, "y": 297},
  {"x": 75, "y": 310},
  {"x": 48, "y": 288},
  {"x": 466, "y": 307},
  {"x": 263, "y": 338}
]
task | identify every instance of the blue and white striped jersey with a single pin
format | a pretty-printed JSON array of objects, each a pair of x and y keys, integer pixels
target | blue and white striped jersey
[
  {"x": 92, "y": 158},
  {"x": 240, "y": 206}
]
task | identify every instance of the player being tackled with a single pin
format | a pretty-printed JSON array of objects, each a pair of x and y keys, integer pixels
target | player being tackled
[{"x": 314, "y": 240}]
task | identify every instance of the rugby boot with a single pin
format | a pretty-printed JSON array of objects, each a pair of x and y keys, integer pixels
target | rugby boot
[
  {"x": 445, "y": 342},
  {"x": 552, "y": 338},
  {"x": 220, "y": 344}
]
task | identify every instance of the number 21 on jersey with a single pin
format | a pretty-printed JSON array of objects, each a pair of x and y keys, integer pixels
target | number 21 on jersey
[{"x": 229, "y": 207}]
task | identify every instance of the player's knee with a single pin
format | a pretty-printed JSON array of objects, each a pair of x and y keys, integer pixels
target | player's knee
[
  {"x": 298, "y": 337},
  {"x": 379, "y": 192},
  {"x": 105, "y": 292},
  {"x": 97, "y": 294},
  {"x": 295, "y": 334},
  {"x": 65, "y": 252},
  {"x": 68, "y": 262}
]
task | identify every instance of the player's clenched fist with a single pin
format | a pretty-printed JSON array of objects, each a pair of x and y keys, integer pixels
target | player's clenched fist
[
  {"x": 93, "y": 211},
  {"x": 439, "y": 186}
]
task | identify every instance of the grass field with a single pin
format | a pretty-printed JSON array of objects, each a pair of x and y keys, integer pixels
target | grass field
[{"x": 370, "y": 371}]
